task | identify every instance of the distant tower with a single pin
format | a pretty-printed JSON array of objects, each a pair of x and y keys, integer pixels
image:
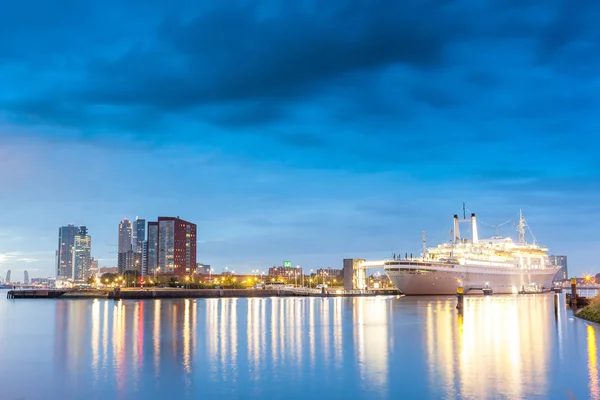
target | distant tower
[
  {"x": 66, "y": 245},
  {"x": 26, "y": 278},
  {"x": 521, "y": 227},
  {"x": 8, "y": 276},
  {"x": 125, "y": 236},
  {"x": 125, "y": 245},
  {"x": 82, "y": 255},
  {"x": 139, "y": 234}
]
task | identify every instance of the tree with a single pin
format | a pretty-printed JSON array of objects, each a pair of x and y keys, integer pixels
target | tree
[{"x": 108, "y": 278}]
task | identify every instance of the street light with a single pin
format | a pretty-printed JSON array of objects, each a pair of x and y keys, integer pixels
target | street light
[{"x": 301, "y": 274}]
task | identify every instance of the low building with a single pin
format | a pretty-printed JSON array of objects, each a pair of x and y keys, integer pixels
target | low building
[
  {"x": 108, "y": 270},
  {"x": 203, "y": 269}
]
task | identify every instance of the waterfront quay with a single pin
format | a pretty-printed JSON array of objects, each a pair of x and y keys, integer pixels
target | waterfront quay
[{"x": 181, "y": 293}]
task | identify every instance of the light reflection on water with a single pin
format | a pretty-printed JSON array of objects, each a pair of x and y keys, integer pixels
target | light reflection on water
[{"x": 501, "y": 347}]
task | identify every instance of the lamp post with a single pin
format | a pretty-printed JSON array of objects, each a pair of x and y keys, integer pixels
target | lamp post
[{"x": 301, "y": 275}]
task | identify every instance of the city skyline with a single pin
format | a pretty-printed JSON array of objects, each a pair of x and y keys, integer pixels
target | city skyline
[{"x": 299, "y": 133}]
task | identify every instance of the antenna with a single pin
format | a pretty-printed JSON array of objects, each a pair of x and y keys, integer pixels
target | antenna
[
  {"x": 521, "y": 227},
  {"x": 424, "y": 244}
]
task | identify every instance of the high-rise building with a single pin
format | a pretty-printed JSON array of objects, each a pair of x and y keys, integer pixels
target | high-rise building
[
  {"x": 7, "y": 276},
  {"x": 129, "y": 261},
  {"x": 82, "y": 255},
  {"x": 66, "y": 245},
  {"x": 176, "y": 246},
  {"x": 144, "y": 258},
  {"x": 563, "y": 272},
  {"x": 125, "y": 236},
  {"x": 26, "y": 278},
  {"x": 139, "y": 234},
  {"x": 125, "y": 244},
  {"x": 152, "y": 249}
]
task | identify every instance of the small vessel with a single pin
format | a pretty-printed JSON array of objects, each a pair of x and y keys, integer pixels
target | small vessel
[{"x": 497, "y": 264}]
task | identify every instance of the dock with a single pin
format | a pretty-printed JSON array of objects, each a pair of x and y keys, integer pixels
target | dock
[{"x": 178, "y": 293}]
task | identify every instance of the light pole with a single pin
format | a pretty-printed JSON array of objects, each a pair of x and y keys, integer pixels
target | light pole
[{"x": 301, "y": 274}]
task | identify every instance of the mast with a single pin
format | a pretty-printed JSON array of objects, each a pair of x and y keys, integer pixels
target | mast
[
  {"x": 424, "y": 244},
  {"x": 521, "y": 227}
]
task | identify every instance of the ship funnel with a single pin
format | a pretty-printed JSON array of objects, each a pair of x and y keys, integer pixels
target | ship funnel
[
  {"x": 456, "y": 230},
  {"x": 474, "y": 228}
]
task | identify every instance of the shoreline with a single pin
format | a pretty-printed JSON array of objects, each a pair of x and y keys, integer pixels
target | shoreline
[
  {"x": 589, "y": 315},
  {"x": 178, "y": 293}
]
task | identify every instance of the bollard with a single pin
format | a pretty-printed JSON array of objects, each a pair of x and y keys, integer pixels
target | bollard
[
  {"x": 574, "y": 293},
  {"x": 460, "y": 294}
]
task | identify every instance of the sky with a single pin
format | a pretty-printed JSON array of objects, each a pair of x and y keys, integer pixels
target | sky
[{"x": 304, "y": 131}]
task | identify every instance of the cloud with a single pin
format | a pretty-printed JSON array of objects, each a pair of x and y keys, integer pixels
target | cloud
[{"x": 377, "y": 116}]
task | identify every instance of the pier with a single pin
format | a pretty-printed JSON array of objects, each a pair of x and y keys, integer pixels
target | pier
[{"x": 176, "y": 293}]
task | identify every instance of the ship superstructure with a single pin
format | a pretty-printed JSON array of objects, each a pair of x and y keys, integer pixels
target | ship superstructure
[{"x": 497, "y": 263}]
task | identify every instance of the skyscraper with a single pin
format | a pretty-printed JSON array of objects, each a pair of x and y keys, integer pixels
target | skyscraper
[
  {"x": 26, "y": 278},
  {"x": 563, "y": 272},
  {"x": 176, "y": 246},
  {"x": 129, "y": 261},
  {"x": 7, "y": 276},
  {"x": 66, "y": 245},
  {"x": 125, "y": 245},
  {"x": 152, "y": 249},
  {"x": 82, "y": 255},
  {"x": 125, "y": 236},
  {"x": 139, "y": 234}
]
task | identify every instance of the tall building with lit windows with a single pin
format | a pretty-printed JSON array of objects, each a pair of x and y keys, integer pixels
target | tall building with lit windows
[
  {"x": 175, "y": 242},
  {"x": 151, "y": 250},
  {"x": 64, "y": 254},
  {"x": 82, "y": 255},
  {"x": 138, "y": 231},
  {"x": 124, "y": 259},
  {"x": 563, "y": 272}
]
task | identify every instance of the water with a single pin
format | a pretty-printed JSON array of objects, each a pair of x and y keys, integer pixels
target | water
[{"x": 508, "y": 347}]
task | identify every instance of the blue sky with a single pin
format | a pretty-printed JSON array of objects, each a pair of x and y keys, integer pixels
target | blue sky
[{"x": 298, "y": 130}]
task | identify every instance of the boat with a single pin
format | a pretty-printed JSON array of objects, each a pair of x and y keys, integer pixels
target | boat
[{"x": 495, "y": 265}]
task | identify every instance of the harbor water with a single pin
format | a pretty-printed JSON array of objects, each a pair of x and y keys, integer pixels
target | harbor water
[{"x": 501, "y": 347}]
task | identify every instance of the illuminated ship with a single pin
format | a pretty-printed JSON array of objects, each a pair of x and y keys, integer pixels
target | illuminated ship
[{"x": 498, "y": 264}]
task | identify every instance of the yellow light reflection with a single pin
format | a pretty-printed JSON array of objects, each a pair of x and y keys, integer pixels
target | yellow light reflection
[
  {"x": 186, "y": 337},
  {"x": 593, "y": 363},
  {"x": 96, "y": 321},
  {"x": 156, "y": 337},
  {"x": 371, "y": 341},
  {"x": 496, "y": 341}
]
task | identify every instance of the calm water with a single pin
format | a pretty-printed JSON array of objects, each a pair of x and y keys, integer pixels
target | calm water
[{"x": 294, "y": 348}]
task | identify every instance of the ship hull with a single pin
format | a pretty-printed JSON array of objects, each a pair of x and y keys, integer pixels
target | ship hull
[{"x": 444, "y": 280}]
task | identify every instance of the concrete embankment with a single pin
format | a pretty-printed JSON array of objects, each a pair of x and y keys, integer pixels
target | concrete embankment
[
  {"x": 178, "y": 293},
  {"x": 141, "y": 294}
]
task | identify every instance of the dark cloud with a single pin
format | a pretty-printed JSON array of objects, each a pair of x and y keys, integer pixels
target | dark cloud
[
  {"x": 236, "y": 54},
  {"x": 435, "y": 96}
]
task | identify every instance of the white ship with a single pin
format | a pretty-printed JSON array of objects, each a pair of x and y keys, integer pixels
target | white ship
[{"x": 498, "y": 264}]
